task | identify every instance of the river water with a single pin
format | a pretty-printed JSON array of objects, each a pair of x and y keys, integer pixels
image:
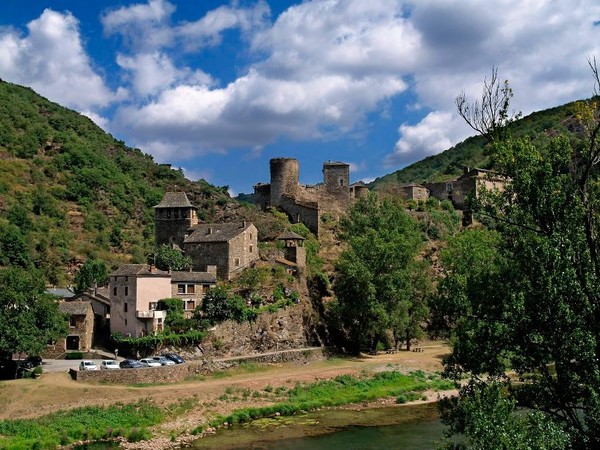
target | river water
[{"x": 406, "y": 427}]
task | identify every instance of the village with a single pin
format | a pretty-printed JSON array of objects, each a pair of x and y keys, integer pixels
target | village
[{"x": 128, "y": 304}]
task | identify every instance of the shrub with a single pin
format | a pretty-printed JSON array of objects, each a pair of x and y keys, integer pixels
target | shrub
[{"x": 74, "y": 355}]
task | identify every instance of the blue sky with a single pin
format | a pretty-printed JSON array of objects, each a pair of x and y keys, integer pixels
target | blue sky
[{"x": 218, "y": 88}]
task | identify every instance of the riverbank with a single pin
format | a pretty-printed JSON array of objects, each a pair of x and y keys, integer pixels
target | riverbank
[{"x": 205, "y": 397}]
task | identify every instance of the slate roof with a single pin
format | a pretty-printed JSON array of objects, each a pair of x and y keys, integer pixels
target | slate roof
[
  {"x": 175, "y": 200},
  {"x": 290, "y": 235},
  {"x": 193, "y": 277},
  {"x": 132, "y": 270},
  {"x": 216, "y": 232},
  {"x": 61, "y": 292},
  {"x": 75, "y": 308}
]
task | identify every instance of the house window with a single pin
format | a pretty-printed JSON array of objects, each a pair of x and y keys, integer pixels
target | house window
[
  {"x": 125, "y": 322},
  {"x": 236, "y": 262},
  {"x": 190, "y": 304},
  {"x": 115, "y": 290},
  {"x": 72, "y": 322},
  {"x": 186, "y": 288},
  {"x": 152, "y": 306},
  {"x": 341, "y": 181},
  {"x": 124, "y": 307},
  {"x": 250, "y": 249},
  {"x": 126, "y": 290}
]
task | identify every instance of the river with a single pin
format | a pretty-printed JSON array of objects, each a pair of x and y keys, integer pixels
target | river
[{"x": 406, "y": 427}]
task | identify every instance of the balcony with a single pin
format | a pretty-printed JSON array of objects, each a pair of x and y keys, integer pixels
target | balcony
[{"x": 152, "y": 314}]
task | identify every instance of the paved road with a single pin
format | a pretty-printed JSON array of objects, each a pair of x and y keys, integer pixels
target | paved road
[{"x": 63, "y": 365}]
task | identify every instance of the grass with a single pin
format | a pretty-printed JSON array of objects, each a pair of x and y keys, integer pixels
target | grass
[
  {"x": 342, "y": 390},
  {"x": 92, "y": 423}
]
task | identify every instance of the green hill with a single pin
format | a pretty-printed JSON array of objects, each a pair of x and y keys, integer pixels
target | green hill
[
  {"x": 70, "y": 191},
  {"x": 450, "y": 163}
]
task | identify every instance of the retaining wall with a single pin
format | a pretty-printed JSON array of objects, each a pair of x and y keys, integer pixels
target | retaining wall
[{"x": 179, "y": 372}]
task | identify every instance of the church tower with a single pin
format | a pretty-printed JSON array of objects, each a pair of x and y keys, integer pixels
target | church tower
[{"x": 173, "y": 217}]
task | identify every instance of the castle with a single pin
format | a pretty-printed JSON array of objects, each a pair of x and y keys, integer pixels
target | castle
[{"x": 303, "y": 203}]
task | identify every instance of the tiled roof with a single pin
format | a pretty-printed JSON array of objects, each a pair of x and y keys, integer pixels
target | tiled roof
[
  {"x": 193, "y": 277},
  {"x": 216, "y": 232},
  {"x": 132, "y": 270},
  {"x": 75, "y": 308},
  {"x": 175, "y": 200},
  {"x": 287, "y": 235}
]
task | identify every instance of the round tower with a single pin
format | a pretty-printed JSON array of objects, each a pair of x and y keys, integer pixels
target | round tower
[{"x": 284, "y": 178}]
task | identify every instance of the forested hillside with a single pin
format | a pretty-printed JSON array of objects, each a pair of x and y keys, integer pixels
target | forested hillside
[
  {"x": 70, "y": 191},
  {"x": 449, "y": 164}
]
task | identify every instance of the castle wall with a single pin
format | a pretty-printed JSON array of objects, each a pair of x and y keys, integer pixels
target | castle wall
[
  {"x": 262, "y": 195},
  {"x": 308, "y": 214}
]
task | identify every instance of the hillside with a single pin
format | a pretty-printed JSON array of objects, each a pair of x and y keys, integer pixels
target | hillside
[
  {"x": 69, "y": 191},
  {"x": 470, "y": 153}
]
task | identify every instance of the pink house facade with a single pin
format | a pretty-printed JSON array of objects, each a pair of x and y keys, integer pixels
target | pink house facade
[{"x": 135, "y": 290}]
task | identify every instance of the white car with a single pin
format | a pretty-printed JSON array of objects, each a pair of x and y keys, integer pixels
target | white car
[
  {"x": 109, "y": 364},
  {"x": 149, "y": 362},
  {"x": 163, "y": 361},
  {"x": 88, "y": 365}
]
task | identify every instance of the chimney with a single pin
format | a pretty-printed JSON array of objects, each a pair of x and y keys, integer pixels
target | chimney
[
  {"x": 209, "y": 230},
  {"x": 151, "y": 268},
  {"x": 212, "y": 270},
  {"x": 243, "y": 224}
]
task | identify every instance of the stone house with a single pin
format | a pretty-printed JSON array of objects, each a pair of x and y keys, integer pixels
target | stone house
[
  {"x": 191, "y": 287},
  {"x": 302, "y": 203},
  {"x": 413, "y": 191},
  {"x": 230, "y": 247},
  {"x": 81, "y": 326},
  {"x": 134, "y": 291},
  {"x": 471, "y": 182},
  {"x": 99, "y": 298}
]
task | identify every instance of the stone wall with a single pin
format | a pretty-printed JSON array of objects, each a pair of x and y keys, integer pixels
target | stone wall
[
  {"x": 284, "y": 178},
  {"x": 281, "y": 330},
  {"x": 172, "y": 225},
  {"x": 307, "y": 214},
  {"x": 179, "y": 372}
]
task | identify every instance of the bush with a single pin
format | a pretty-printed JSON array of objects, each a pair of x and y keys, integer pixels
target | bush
[{"x": 74, "y": 355}]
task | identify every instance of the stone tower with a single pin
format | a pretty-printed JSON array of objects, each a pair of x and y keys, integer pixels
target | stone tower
[
  {"x": 336, "y": 177},
  {"x": 173, "y": 217},
  {"x": 284, "y": 178}
]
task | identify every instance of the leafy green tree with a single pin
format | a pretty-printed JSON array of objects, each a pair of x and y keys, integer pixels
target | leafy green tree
[
  {"x": 29, "y": 318},
  {"x": 540, "y": 312},
  {"x": 375, "y": 276},
  {"x": 13, "y": 247},
  {"x": 175, "y": 319},
  {"x": 93, "y": 272},
  {"x": 168, "y": 258}
]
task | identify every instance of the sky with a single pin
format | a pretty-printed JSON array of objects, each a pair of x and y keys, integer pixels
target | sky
[{"x": 218, "y": 88}]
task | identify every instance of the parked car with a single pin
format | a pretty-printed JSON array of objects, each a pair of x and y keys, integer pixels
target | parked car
[
  {"x": 163, "y": 361},
  {"x": 174, "y": 357},
  {"x": 130, "y": 364},
  {"x": 88, "y": 365},
  {"x": 109, "y": 364},
  {"x": 149, "y": 362}
]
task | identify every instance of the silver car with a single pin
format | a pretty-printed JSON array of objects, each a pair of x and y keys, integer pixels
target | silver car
[{"x": 88, "y": 365}]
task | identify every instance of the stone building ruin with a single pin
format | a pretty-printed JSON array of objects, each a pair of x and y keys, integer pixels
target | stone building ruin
[{"x": 304, "y": 203}]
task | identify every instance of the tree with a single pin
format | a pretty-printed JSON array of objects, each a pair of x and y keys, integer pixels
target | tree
[
  {"x": 376, "y": 276},
  {"x": 540, "y": 315},
  {"x": 29, "y": 318},
  {"x": 93, "y": 272},
  {"x": 169, "y": 258},
  {"x": 175, "y": 319}
]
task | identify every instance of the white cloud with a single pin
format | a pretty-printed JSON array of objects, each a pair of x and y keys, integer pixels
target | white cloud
[
  {"x": 142, "y": 25},
  {"x": 102, "y": 122},
  {"x": 52, "y": 60},
  {"x": 437, "y": 132}
]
